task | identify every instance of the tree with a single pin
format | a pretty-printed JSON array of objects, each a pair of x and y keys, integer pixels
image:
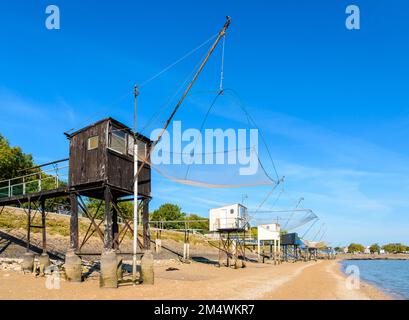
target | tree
[
  {"x": 203, "y": 225},
  {"x": 126, "y": 209},
  {"x": 356, "y": 247},
  {"x": 92, "y": 204},
  {"x": 374, "y": 248},
  {"x": 394, "y": 248},
  {"x": 169, "y": 212},
  {"x": 12, "y": 160},
  {"x": 15, "y": 163}
]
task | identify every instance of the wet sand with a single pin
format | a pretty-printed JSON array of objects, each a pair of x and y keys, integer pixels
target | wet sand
[{"x": 301, "y": 280}]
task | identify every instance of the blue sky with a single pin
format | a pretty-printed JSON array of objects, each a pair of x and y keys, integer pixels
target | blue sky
[{"x": 332, "y": 103}]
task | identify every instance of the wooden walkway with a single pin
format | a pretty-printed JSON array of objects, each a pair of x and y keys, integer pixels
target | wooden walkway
[{"x": 46, "y": 194}]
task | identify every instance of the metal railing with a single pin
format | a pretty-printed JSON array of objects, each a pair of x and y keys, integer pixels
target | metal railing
[
  {"x": 54, "y": 176},
  {"x": 230, "y": 223}
]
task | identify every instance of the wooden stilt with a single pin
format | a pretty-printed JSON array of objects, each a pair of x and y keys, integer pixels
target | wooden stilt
[
  {"x": 44, "y": 233},
  {"x": 145, "y": 223},
  {"x": 220, "y": 249},
  {"x": 74, "y": 222},
  {"x": 28, "y": 224},
  {"x": 108, "y": 238},
  {"x": 115, "y": 227}
]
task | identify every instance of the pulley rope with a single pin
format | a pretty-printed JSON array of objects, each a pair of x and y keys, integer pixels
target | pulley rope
[
  {"x": 278, "y": 197},
  {"x": 144, "y": 83},
  {"x": 308, "y": 230},
  {"x": 266, "y": 198},
  {"x": 222, "y": 65},
  {"x": 292, "y": 213},
  {"x": 202, "y": 125},
  {"x": 241, "y": 105},
  {"x": 164, "y": 107},
  {"x": 177, "y": 61},
  {"x": 167, "y": 103}
]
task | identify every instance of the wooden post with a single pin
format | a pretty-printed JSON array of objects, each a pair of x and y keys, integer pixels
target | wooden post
[
  {"x": 188, "y": 245},
  {"x": 158, "y": 240},
  {"x": 220, "y": 248},
  {"x": 28, "y": 224},
  {"x": 74, "y": 222},
  {"x": 235, "y": 250},
  {"x": 108, "y": 239},
  {"x": 258, "y": 250},
  {"x": 43, "y": 225},
  {"x": 244, "y": 249},
  {"x": 145, "y": 222},
  {"x": 228, "y": 249},
  {"x": 184, "y": 245},
  {"x": 115, "y": 227}
]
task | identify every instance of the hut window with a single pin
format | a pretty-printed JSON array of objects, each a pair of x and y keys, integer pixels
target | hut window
[
  {"x": 141, "y": 150},
  {"x": 130, "y": 145},
  {"x": 117, "y": 140},
  {"x": 231, "y": 211},
  {"x": 242, "y": 212},
  {"x": 93, "y": 143}
]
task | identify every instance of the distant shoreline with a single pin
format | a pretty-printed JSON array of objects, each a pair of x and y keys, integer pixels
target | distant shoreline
[{"x": 373, "y": 256}]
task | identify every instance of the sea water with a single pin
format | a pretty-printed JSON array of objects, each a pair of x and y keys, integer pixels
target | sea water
[{"x": 390, "y": 276}]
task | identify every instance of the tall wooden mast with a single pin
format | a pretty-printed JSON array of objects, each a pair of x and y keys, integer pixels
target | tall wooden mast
[{"x": 137, "y": 170}]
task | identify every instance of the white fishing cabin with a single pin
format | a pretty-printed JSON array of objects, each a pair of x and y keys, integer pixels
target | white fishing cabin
[
  {"x": 269, "y": 233},
  {"x": 228, "y": 218}
]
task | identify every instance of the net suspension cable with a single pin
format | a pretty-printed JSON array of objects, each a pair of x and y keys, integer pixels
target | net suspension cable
[
  {"x": 292, "y": 213},
  {"x": 318, "y": 232},
  {"x": 150, "y": 79},
  {"x": 176, "y": 108},
  {"x": 309, "y": 228}
]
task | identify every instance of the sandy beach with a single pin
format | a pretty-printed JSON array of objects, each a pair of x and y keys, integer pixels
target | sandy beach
[{"x": 174, "y": 280}]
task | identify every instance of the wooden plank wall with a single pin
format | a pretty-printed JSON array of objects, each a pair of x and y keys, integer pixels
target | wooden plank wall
[
  {"x": 102, "y": 164},
  {"x": 87, "y": 166},
  {"x": 120, "y": 174}
]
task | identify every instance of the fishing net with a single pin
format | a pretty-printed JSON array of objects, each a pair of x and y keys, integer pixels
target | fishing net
[
  {"x": 212, "y": 142},
  {"x": 289, "y": 220},
  {"x": 314, "y": 244},
  {"x": 210, "y": 138}
]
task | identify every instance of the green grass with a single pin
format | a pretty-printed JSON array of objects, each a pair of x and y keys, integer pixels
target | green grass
[{"x": 15, "y": 219}]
